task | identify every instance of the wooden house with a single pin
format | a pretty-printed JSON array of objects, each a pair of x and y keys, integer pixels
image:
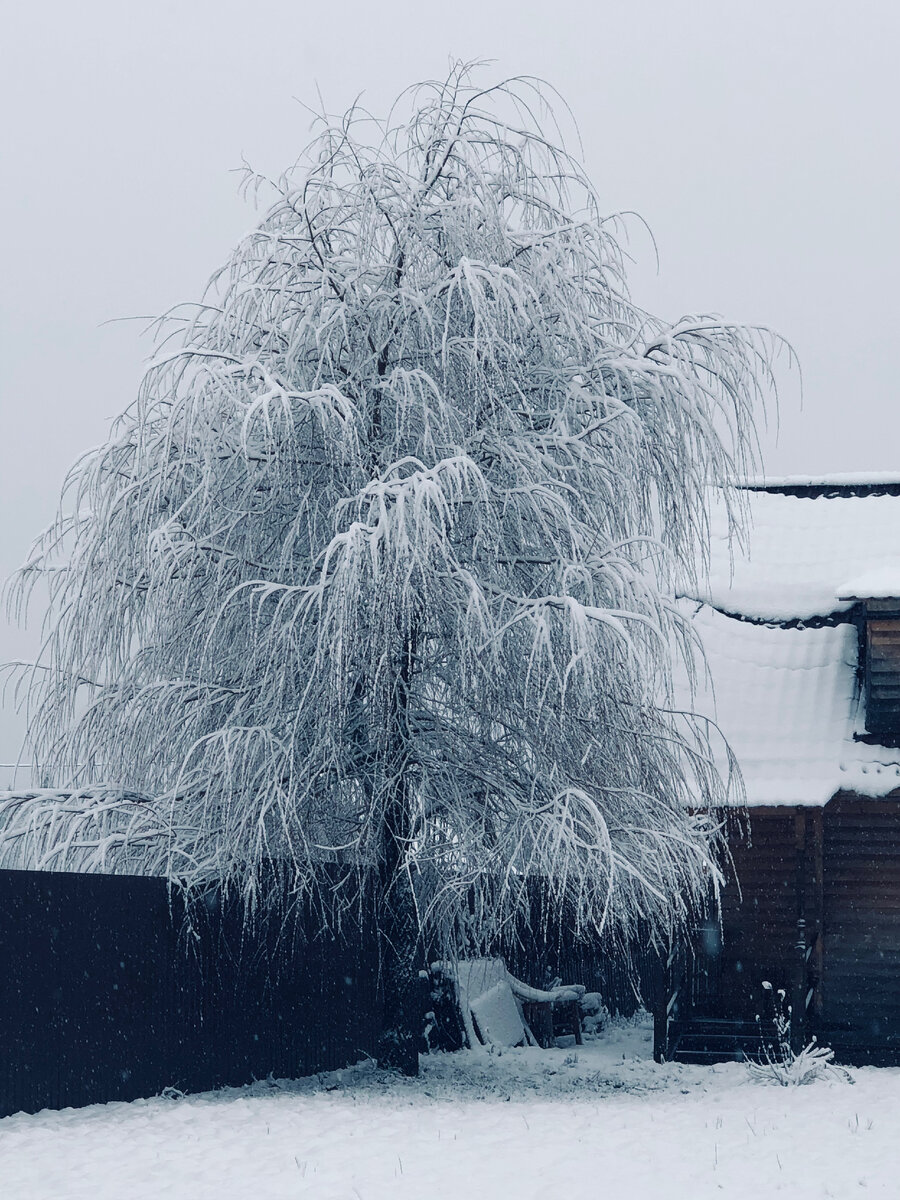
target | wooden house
[{"x": 801, "y": 632}]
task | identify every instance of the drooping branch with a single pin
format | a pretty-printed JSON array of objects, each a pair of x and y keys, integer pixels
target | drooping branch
[{"x": 378, "y": 568}]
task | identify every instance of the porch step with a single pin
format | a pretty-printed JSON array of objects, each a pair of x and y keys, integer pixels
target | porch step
[{"x": 710, "y": 1040}]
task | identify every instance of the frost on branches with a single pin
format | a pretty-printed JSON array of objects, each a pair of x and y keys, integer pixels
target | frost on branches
[{"x": 377, "y": 570}]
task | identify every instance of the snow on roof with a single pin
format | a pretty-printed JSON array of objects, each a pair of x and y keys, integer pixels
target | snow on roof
[
  {"x": 787, "y": 702},
  {"x": 849, "y": 479},
  {"x": 800, "y": 553},
  {"x": 881, "y": 583}
]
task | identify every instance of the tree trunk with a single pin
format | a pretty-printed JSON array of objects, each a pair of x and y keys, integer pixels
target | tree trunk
[
  {"x": 403, "y": 1020},
  {"x": 403, "y": 1014}
]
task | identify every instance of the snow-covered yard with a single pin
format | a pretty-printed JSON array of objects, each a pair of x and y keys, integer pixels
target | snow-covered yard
[{"x": 605, "y": 1123}]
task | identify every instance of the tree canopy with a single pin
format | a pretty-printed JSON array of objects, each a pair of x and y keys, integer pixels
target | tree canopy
[{"x": 379, "y": 568}]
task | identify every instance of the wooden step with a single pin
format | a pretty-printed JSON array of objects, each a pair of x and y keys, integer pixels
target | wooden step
[{"x": 711, "y": 1040}]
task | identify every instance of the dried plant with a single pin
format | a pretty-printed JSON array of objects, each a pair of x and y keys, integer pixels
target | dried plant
[{"x": 778, "y": 1062}]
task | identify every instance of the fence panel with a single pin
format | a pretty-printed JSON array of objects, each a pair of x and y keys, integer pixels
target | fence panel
[{"x": 106, "y": 994}]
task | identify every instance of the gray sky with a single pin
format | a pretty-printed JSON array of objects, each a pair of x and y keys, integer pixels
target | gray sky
[{"x": 758, "y": 140}]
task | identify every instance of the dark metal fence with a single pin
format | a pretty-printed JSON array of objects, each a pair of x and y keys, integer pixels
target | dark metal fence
[{"x": 107, "y": 994}]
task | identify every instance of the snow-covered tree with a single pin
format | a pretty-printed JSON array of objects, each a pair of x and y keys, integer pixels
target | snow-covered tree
[{"x": 378, "y": 569}]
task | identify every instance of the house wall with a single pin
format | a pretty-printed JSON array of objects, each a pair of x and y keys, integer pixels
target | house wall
[
  {"x": 860, "y": 988},
  {"x": 812, "y": 905},
  {"x": 771, "y": 886},
  {"x": 768, "y": 886}
]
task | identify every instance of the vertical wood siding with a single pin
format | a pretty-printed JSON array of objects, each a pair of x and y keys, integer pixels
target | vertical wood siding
[
  {"x": 770, "y": 883},
  {"x": 882, "y": 673}
]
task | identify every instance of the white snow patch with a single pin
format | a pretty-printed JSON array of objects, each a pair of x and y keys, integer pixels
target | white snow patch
[
  {"x": 837, "y": 479},
  {"x": 881, "y": 583},
  {"x": 497, "y": 1016},
  {"x": 526, "y": 1124}
]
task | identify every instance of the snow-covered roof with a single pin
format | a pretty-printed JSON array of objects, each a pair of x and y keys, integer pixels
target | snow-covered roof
[
  {"x": 788, "y": 699},
  {"x": 849, "y": 479},
  {"x": 880, "y": 583},
  {"x": 801, "y": 553},
  {"x": 787, "y": 702}
]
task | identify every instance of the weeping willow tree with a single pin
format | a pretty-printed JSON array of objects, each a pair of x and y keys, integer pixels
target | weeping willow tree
[{"x": 378, "y": 569}]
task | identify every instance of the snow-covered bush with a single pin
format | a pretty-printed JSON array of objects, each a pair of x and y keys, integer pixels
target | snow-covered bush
[
  {"x": 778, "y": 1062},
  {"x": 594, "y": 1013}
]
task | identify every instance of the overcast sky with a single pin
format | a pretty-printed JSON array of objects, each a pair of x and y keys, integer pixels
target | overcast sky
[{"x": 758, "y": 140}]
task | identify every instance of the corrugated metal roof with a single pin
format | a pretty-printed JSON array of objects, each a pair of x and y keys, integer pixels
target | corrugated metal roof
[
  {"x": 788, "y": 699},
  {"x": 788, "y": 703},
  {"x": 800, "y": 554}
]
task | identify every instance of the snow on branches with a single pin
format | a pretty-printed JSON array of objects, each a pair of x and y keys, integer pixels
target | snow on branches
[{"x": 378, "y": 568}]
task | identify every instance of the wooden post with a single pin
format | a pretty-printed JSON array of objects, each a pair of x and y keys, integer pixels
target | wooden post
[
  {"x": 798, "y": 982},
  {"x": 662, "y": 990},
  {"x": 817, "y": 959},
  {"x": 798, "y": 997}
]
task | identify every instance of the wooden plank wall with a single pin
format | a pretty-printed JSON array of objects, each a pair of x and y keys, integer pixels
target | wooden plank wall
[
  {"x": 860, "y": 1001},
  {"x": 771, "y": 884},
  {"x": 828, "y": 879},
  {"x": 882, "y": 667}
]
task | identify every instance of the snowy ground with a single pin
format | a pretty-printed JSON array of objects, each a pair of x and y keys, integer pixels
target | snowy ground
[{"x": 528, "y": 1124}]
